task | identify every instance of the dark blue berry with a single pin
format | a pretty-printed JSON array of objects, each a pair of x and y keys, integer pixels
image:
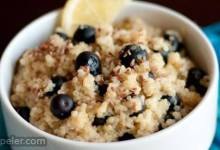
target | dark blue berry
[
  {"x": 174, "y": 40},
  {"x": 195, "y": 75},
  {"x": 173, "y": 100},
  {"x": 126, "y": 136},
  {"x": 84, "y": 33},
  {"x": 57, "y": 81},
  {"x": 102, "y": 89},
  {"x": 62, "y": 35},
  {"x": 99, "y": 121},
  {"x": 62, "y": 105},
  {"x": 91, "y": 60},
  {"x": 201, "y": 89},
  {"x": 24, "y": 112},
  {"x": 132, "y": 54}
]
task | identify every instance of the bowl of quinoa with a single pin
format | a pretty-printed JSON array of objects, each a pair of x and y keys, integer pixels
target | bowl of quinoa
[{"x": 124, "y": 81}]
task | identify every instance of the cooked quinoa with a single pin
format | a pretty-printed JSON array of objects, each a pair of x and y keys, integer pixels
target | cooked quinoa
[{"x": 145, "y": 82}]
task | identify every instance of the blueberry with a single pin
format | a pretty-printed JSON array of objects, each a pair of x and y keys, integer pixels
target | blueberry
[
  {"x": 102, "y": 89},
  {"x": 126, "y": 136},
  {"x": 84, "y": 33},
  {"x": 99, "y": 121},
  {"x": 62, "y": 105},
  {"x": 131, "y": 54},
  {"x": 57, "y": 81},
  {"x": 151, "y": 75},
  {"x": 173, "y": 100},
  {"x": 194, "y": 77},
  {"x": 62, "y": 35},
  {"x": 91, "y": 60},
  {"x": 172, "y": 37},
  {"x": 201, "y": 89},
  {"x": 24, "y": 112}
]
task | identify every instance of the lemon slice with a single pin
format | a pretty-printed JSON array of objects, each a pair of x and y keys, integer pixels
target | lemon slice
[{"x": 90, "y": 12}]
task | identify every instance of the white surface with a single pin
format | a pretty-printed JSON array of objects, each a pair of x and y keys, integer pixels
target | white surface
[{"x": 194, "y": 132}]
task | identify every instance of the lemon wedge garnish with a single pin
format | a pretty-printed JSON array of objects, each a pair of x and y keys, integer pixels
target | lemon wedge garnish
[{"x": 90, "y": 12}]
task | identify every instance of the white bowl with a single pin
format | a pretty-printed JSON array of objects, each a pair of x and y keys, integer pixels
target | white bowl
[{"x": 194, "y": 132}]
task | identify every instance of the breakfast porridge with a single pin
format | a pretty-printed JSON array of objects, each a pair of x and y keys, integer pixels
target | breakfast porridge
[{"x": 107, "y": 83}]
